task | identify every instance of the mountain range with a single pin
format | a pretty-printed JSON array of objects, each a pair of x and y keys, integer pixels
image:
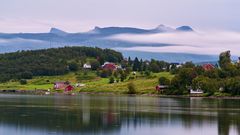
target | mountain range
[{"x": 97, "y": 37}]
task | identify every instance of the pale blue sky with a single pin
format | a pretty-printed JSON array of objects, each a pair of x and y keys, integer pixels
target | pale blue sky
[{"x": 82, "y": 15}]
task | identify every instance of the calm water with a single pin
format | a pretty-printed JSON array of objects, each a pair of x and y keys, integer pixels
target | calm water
[{"x": 114, "y": 115}]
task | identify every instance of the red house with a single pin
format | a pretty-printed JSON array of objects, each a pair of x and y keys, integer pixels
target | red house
[
  {"x": 109, "y": 66},
  {"x": 69, "y": 88},
  {"x": 208, "y": 67},
  {"x": 60, "y": 85},
  {"x": 161, "y": 88},
  {"x": 63, "y": 86}
]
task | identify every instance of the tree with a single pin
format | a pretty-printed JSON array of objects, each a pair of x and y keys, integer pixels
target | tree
[
  {"x": 26, "y": 75},
  {"x": 233, "y": 86},
  {"x": 95, "y": 64},
  {"x": 130, "y": 61},
  {"x": 136, "y": 64},
  {"x": 147, "y": 73},
  {"x": 73, "y": 66},
  {"x": 105, "y": 73},
  {"x": 163, "y": 81},
  {"x": 131, "y": 88},
  {"x": 123, "y": 76},
  {"x": 23, "y": 81},
  {"x": 225, "y": 59},
  {"x": 189, "y": 65},
  {"x": 111, "y": 79},
  {"x": 154, "y": 67},
  {"x": 186, "y": 75},
  {"x": 140, "y": 67},
  {"x": 206, "y": 84}
]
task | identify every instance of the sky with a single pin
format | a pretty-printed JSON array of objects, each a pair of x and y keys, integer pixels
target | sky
[
  {"x": 208, "y": 43},
  {"x": 83, "y": 15}
]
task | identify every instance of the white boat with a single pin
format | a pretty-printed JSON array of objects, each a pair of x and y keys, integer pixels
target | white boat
[{"x": 198, "y": 91}]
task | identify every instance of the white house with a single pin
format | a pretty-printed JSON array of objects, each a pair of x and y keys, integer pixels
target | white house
[{"x": 87, "y": 66}]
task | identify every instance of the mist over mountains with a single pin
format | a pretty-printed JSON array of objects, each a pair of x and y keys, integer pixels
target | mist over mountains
[{"x": 104, "y": 38}]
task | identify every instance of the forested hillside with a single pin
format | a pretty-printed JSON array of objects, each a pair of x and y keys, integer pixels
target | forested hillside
[{"x": 57, "y": 61}]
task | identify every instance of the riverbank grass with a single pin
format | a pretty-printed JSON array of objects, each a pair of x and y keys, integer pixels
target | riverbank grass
[{"x": 93, "y": 83}]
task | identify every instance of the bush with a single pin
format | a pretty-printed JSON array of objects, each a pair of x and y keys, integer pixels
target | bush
[
  {"x": 23, "y": 81},
  {"x": 147, "y": 73},
  {"x": 95, "y": 64},
  {"x": 164, "y": 81},
  {"x": 111, "y": 79},
  {"x": 73, "y": 66},
  {"x": 105, "y": 73},
  {"x": 132, "y": 88}
]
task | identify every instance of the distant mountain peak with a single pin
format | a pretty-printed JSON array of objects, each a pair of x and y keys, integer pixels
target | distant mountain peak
[
  {"x": 96, "y": 28},
  {"x": 164, "y": 28},
  {"x": 58, "y": 32},
  {"x": 185, "y": 29}
]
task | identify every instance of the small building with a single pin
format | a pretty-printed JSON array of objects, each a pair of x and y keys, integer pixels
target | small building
[
  {"x": 177, "y": 65},
  {"x": 80, "y": 85},
  {"x": 87, "y": 66},
  {"x": 161, "y": 88},
  {"x": 109, "y": 66},
  {"x": 69, "y": 88},
  {"x": 60, "y": 85},
  {"x": 197, "y": 91},
  {"x": 208, "y": 67},
  {"x": 63, "y": 86}
]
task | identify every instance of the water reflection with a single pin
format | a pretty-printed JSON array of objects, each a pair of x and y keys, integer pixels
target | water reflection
[{"x": 121, "y": 115}]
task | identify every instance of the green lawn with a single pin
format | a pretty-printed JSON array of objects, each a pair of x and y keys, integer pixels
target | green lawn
[{"x": 93, "y": 83}]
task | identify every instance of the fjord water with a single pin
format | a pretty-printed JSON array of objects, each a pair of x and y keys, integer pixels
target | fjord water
[{"x": 117, "y": 115}]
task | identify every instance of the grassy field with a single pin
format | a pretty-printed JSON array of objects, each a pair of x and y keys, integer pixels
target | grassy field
[{"x": 144, "y": 85}]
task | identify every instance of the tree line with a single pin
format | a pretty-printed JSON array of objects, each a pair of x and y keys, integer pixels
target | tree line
[
  {"x": 223, "y": 79},
  {"x": 49, "y": 62}
]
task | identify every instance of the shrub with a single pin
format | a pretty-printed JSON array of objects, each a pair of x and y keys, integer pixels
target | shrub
[
  {"x": 164, "y": 81},
  {"x": 132, "y": 88},
  {"x": 111, "y": 79},
  {"x": 95, "y": 64},
  {"x": 105, "y": 73},
  {"x": 73, "y": 66},
  {"x": 23, "y": 81},
  {"x": 147, "y": 73}
]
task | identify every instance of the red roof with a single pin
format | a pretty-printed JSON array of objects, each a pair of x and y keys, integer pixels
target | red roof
[
  {"x": 60, "y": 85},
  {"x": 208, "y": 67},
  {"x": 110, "y": 66},
  {"x": 69, "y": 88}
]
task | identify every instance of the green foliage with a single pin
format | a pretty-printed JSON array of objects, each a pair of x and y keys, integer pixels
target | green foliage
[
  {"x": 85, "y": 76},
  {"x": 206, "y": 84},
  {"x": 210, "y": 81},
  {"x": 131, "y": 88},
  {"x": 188, "y": 65},
  {"x": 111, "y": 79},
  {"x": 23, "y": 81},
  {"x": 163, "y": 81},
  {"x": 199, "y": 70},
  {"x": 225, "y": 59},
  {"x": 233, "y": 86},
  {"x": 212, "y": 73},
  {"x": 147, "y": 73},
  {"x": 73, "y": 66},
  {"x": 105, "y": 73},
  {"x": 154, "y": 68},
  {"x": 95, "y": 64},
  {"x": 26, "y": 75},
  {"x": 136, "y": 64},
  {"x": 49, "y": 62}
]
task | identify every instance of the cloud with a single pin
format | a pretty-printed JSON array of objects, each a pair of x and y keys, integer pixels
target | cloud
[{"x": 209, "y": 43}]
